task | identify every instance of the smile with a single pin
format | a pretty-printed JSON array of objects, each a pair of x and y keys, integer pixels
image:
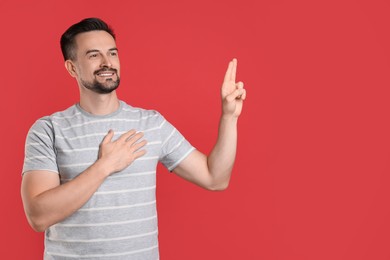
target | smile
[{"x": 106, "y": 74}]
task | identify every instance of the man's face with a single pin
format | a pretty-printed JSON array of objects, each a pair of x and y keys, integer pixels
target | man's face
[{"x": 97, "y": 65}]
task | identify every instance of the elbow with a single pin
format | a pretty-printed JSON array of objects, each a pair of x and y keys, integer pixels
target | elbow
[
  {"x": 221, "y": 186},
  {"x": 37, "y": 224},
  {"x": 37, "y": 227},
  {"x": 39, "y": 220}
]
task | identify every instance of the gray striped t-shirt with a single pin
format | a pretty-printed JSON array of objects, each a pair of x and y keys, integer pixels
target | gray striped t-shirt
[{"x": 120, "y": 220}]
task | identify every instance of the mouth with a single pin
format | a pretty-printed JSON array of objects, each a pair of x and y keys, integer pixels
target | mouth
[{"x": 105, "y": 73}]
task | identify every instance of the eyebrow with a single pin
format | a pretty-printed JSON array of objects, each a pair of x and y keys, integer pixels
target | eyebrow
[{"x": 94, "y": 50}]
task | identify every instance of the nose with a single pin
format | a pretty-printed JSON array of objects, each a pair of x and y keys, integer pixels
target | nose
[{"x": 106, "y": 62}]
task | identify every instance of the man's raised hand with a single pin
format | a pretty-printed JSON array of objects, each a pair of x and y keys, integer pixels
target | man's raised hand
[{"x": 233, "y": 93}]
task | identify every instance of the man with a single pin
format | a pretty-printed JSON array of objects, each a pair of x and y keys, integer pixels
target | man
[{"x": 89, "y": 171}]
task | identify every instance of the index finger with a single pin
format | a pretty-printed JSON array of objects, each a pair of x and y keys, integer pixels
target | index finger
[
  {"x": 234, "y": 70},
  {"x": 127, "y": 135},
  {"x": 230, "y": 74}
]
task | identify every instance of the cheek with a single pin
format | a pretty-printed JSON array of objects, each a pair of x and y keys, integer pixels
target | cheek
[
  {"x": 116, "y": 63},
  {"x": 88, "y": 70},
  {"x": 118, "y": 68}
]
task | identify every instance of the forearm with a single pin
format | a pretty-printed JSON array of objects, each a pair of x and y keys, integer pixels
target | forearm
[
  {"x": 221, "y": 159},
  {"x": 58, "y": 203}
]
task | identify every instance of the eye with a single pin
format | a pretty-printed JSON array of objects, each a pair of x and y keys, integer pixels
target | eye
[
  {"x": 114, "y": 53},
  {"x": 93, "y": 55}
]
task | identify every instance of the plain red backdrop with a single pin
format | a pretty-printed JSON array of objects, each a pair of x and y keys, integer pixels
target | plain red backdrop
[{"x": 311, "y": 180}]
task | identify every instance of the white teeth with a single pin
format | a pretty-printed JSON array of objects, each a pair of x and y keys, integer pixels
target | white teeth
[{"x": 106, "y": 74}]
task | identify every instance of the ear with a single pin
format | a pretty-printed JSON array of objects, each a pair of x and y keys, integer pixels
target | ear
[{"x": 71, "y": 68}]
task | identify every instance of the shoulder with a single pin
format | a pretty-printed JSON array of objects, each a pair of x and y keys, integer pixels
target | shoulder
[
  {"x": 42, "y": 124},
  {"x": 41, "y": 131},
  {"x": 65, "y": 117},
  {"x": 45, "y": 124},
  {"x": 142, "y": 114}
]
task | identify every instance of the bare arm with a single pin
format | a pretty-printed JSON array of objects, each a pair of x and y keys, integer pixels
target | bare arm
[
  {"x": 213, "y": 172},
  {"x": 46, "y": 202}
]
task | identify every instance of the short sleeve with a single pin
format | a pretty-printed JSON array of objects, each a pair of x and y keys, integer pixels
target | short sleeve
[
  {"x": 39, "y": 148},
  {"x": 174, "y": 147}
]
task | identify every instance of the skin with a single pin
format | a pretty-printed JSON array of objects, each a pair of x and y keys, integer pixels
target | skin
[{"x": 46, "y": 202}]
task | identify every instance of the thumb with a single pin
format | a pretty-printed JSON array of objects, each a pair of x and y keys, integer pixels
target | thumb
[
  {"x": 236, "y": 94},
  {"x": 108, "y": 137}
]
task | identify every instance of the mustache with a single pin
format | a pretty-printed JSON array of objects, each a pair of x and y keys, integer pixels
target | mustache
[{"x": 104, "y": 70}]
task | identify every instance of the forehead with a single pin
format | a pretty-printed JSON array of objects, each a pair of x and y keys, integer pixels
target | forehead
[{"x": 97, "y": 40}]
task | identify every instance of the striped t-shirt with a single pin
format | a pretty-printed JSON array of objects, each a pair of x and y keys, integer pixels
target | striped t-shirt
[{"x": 120, "y": 220}]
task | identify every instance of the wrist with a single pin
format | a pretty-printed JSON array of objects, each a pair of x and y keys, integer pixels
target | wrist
[
  {"x": 229, "y": 118},
  {"x": 102, "y": 168}
]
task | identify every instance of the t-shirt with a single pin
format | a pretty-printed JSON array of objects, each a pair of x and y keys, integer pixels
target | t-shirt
[{"x": 120, "y": 220}]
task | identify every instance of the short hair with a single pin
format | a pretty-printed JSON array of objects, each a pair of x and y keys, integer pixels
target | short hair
[{"x": 68, "y": 44}]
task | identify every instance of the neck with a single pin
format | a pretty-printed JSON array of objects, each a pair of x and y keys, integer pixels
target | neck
[{"x": 99, "y": 104}]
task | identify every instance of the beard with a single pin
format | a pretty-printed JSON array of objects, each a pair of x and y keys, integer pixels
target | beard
[{"x": 102, "y": 88}]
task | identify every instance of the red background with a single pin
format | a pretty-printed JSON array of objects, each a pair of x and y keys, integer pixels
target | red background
[{"x": 311, "y": 180}]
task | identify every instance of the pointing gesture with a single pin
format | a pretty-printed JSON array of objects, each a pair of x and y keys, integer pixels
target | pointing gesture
[{"x": 232, "y": 92}]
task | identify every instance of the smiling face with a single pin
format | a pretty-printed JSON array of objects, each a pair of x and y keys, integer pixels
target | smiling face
[{"x": 96, "y": 66}]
